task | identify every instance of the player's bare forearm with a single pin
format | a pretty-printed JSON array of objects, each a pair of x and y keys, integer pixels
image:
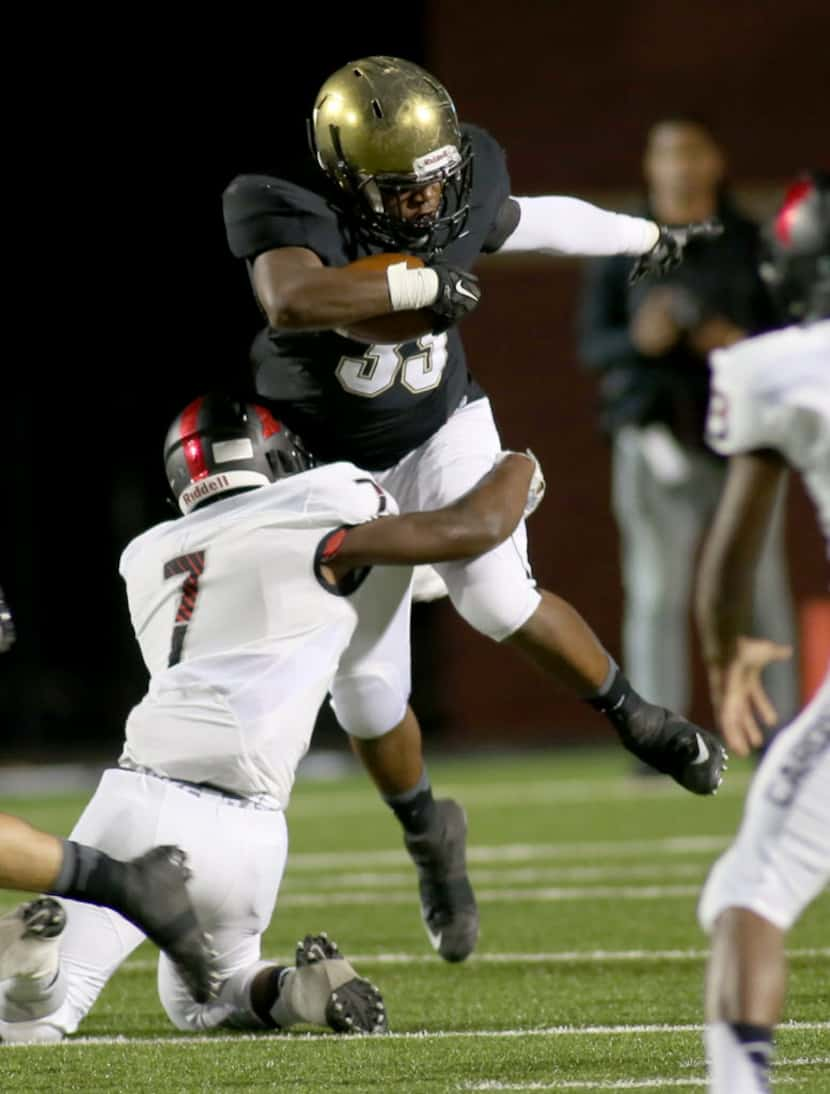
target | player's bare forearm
[
  {"x": 476, "y": 523},
  {"x": 297, "y": 292},
  {"x": 29, "y": 859},
  {"x": 723, "y": 594}
]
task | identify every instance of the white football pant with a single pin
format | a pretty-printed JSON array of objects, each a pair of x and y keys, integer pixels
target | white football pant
[
  {"x": 780, "y": 860},
  {"x": 496, "y": 592},
  {"x": 237, "y": 853}
]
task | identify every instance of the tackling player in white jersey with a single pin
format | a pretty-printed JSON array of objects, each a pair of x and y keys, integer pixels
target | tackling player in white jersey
[
  {"x": 248, "y": 610},
  {"x": 770, "y": 410}
]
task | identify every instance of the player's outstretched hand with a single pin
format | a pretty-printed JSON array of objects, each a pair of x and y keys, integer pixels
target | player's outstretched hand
[
  {"x": 742, "y": 704},
  {"x": 458, "y": 293},
  {"x": 667, "y": 252}
]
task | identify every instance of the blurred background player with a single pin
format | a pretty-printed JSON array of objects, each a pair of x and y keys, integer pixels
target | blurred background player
[
  {"x": 248, "y": 609},
  {"x": 649, "y": 343},
  {"x": 400, "y": 174},
  {"x": 770, "y": 410},
  {"x": 150, "y": 892}
]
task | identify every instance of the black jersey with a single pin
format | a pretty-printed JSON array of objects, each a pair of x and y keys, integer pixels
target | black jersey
[{"x": 347, "y": 400}]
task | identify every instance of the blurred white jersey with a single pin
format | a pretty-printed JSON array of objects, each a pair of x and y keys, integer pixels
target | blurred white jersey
[
  {"x": 773, "y": 391},
  {"x": 241, "y": 639}
]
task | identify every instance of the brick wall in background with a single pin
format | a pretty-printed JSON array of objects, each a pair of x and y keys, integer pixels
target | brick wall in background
[
  {"x": 569, "y": 90},
  {"x": 521, "y": 346}
]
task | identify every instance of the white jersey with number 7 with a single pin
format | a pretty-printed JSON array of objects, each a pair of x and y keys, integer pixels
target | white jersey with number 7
[{"x": 240, "y": 637}]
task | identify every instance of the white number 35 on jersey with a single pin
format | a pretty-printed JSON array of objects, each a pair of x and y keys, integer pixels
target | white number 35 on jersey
[{"x": 419, "y": 366}]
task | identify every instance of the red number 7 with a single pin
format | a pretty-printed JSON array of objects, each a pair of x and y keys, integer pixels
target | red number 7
[{"x": 193, "y": 565}]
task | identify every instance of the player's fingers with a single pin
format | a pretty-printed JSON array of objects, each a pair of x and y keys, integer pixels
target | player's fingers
[
  {"x": 759, "y": 652},
  {"x": 732, "y": 724},
  {"x": 752, "y": 731},
  {"x": 735, "y": 740},
  {"x": 763, "y": 704},
  {"x": 777, "y": 652}
]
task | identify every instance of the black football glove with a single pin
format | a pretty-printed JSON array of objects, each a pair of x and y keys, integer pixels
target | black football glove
[
  {"x": 7, "y": 633},
  {"x": 458, "y": 293},
  {"x": 667, "y": 252}
]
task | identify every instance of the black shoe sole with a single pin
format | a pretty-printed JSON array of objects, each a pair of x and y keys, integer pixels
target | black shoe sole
[{"x": 357, "y": 1007}]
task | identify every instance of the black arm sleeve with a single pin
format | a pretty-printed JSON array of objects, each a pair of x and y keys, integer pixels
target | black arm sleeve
[{"x": 604, "y": 340}]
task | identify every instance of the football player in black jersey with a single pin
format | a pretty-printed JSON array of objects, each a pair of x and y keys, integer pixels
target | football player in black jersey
[{"x": 400, "y": 174}]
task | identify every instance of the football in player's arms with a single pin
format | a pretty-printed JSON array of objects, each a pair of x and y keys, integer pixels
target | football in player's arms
[{"x": 397, "y": 327}]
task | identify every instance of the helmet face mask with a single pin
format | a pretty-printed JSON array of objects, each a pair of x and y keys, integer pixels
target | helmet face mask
[
  {"x": 377, "y": 216},
  {"x": 381, "y": 127},
  {"x": 218, "y": 446}
]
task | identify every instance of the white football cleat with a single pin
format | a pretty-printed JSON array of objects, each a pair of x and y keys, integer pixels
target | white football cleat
[
  {"x": 30, "y": 939},
  {"x": 324, "y": 990}
]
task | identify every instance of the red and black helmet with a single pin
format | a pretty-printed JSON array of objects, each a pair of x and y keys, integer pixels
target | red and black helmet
[
  {"x": 797, "y": 266},
  {"x": 219, "y": 444}
]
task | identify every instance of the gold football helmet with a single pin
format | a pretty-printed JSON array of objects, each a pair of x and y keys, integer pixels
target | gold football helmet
[{"x": 382, "y": 125}]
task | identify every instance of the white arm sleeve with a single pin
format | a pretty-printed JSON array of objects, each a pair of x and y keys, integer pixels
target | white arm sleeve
[{"x": 568, "y": 226}]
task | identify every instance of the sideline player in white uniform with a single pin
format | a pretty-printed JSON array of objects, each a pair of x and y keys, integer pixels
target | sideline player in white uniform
[
  {"x": 248, "y": 610},
  {"x": 769, "y": 410},
  {"x": 150, "y": 892}
]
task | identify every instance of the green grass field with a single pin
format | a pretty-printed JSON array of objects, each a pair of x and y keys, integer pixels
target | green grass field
[{"x": 588, "y": 974}]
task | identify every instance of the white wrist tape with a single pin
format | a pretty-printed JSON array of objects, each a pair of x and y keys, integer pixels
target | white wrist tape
[{"x": 411, "y": 289}]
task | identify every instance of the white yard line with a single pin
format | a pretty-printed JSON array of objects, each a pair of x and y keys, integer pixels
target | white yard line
[
  {"x": 551, "y": 894},
  {"x": 660, "y": 1083},
  {"x": 521, "y": 852},
  {"x": 500, "y": 875},
  {"x": 560, "y": 957},
  {"x": 656, "y": 1083},
  {"x": 198, "y": 1040},
  {"x": 503, "y": 794}
]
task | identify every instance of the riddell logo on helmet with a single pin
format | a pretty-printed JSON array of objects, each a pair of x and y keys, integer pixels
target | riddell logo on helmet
[
  {"x": 213, "y": 485},
  {"x": 440, "y": 160}
]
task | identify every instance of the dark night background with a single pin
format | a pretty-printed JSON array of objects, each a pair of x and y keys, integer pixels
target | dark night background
[{"x": 123, "y": 301}]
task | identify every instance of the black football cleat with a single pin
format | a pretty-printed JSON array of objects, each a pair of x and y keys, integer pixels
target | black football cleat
[
  {"x": 694, "y": 757},
  {"x": 157, "y": 902},
  {"x": 669, "y": 743},
  {"x": 448, "y": 904}
]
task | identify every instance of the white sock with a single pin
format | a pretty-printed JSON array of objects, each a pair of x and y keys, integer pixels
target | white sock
[{"x": 731, "y": 1067}]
